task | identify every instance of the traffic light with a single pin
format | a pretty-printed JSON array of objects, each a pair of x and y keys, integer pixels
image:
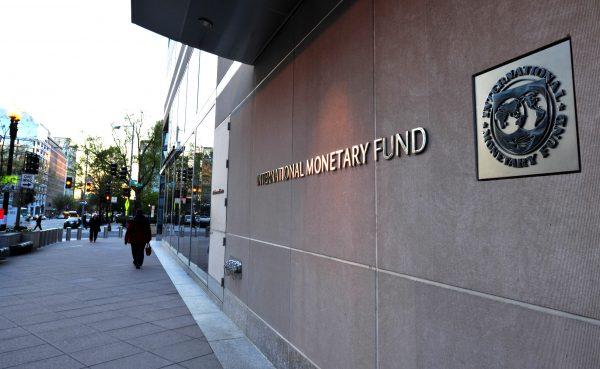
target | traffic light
[
  {"x": 123, "y": 174},
  {"x": 190, "y": 173},
  {"x": 35, "y": 163},
  {"x": 126, "y": 191},
  {"x": 69, "y": 182},
  {"x": 107, "y": 196},
  {"x": 28, "y": 196},
  {"x": 88, "y": 187},
  {"x": 184, "y": 177},
  {"x": 32, "y": 163},
  {"x": 113, "y": 169}
]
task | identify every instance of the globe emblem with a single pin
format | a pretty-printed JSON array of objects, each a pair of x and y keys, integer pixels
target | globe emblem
[{"x": 522, "y": 116}]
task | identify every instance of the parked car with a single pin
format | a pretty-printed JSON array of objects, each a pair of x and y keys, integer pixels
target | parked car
[
  {"x": 203, "y": 221},
  {"x": 72, "y": 222}
]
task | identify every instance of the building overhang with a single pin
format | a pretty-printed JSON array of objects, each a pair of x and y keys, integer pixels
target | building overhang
[{"x": 234, "y": 29}]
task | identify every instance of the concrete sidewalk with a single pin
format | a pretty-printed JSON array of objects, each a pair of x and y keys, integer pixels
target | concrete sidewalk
[
  {"x": 73, "y": 305},
  {"x": 231, "y": 346}
]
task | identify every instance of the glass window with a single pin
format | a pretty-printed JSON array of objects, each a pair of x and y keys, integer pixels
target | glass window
[
  {"x": 185, "y": 199},
  {"x": 201, "y": 206},
  {"x": 188, "y": 179}
]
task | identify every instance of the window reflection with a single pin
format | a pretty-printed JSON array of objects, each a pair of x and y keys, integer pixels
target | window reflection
[
  {"x": 187, "y": 190},
  {"x": 201, "y": 206},
  {"x": 185, "y": 200}
]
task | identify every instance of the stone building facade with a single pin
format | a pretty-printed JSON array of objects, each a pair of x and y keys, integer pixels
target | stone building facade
[{"x": 405, "y": 263}]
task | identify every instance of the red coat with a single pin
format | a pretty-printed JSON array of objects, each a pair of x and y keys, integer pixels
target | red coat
[{"x": 138, "y": 231}]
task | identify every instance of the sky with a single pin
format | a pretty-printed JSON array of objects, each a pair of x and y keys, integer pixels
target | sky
[{"x": 78, "y": 66}]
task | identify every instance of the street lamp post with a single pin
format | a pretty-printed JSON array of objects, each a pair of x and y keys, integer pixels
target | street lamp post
[
  {"x": 14, "y": 121},
  {"x": 131, "y": 151},
  {"x": 84, "y": 202}
]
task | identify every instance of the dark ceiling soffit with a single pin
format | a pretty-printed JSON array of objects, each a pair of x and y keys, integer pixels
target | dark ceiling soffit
[{"x": 241, "y": 29}]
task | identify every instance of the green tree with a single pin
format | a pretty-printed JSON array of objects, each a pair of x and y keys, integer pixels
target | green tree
[
  {"x": 148, "y": 160},
  {"x": 99, "y": 157},
  {"x": 64, "y": 202}
]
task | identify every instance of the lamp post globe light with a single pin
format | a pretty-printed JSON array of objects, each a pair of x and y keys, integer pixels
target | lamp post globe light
[
  {"x": 14, "y": 121},
  {"x": 119, "y": 126}
]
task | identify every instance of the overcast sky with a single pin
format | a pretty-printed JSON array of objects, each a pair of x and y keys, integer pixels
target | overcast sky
[{"x": 79, "y": 65}]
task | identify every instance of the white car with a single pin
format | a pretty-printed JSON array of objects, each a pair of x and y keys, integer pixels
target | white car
[{"x": 72, "y": 222}]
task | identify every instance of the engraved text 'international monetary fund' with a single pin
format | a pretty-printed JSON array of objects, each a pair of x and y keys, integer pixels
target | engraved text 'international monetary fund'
[{"x": 411, "y": 142}]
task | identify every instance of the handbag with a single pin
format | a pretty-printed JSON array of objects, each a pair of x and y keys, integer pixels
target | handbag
[{"x": 148, "y": 250}]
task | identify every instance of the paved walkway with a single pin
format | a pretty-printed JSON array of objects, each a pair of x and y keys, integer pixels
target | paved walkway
[
  {"x": 72, "y": 305},
  {"x": 231, "y": 346}
]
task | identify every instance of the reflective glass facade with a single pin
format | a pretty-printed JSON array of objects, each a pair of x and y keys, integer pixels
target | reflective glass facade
[{"x": 188, "y": 149}]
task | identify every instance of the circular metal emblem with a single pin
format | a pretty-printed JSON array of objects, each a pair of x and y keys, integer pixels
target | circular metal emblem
[{"x": 523, "y": 110}]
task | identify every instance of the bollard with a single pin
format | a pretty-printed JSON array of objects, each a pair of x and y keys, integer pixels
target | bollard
[
  {"x": 60, "y": 234},
  {"x": 120, "y": 231},
  {"x": 78, "y": 234},
  {"x": 68, "y": 238},
  {"x": 207, "y": 231},
  {"x": 105, "y": 233},
  {"x": 44, "y": 237}
]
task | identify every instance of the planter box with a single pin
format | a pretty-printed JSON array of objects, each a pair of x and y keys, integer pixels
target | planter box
[
  {"x": 4, "y": 252},
  {"x": 34, "y": 237},
  {"x": 9, "y": 239},
  {"x": 21, "y": 248}
]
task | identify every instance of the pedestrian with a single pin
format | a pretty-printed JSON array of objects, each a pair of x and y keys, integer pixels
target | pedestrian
[
  {"x": 94, "y": 225},
  {"x": 138, "y": 235},
  {"x": 84, "y": 221},
  {"x": 38, "y": 223}
]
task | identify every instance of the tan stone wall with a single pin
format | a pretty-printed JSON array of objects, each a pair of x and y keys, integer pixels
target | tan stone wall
[{"x": 413, "y": 263}]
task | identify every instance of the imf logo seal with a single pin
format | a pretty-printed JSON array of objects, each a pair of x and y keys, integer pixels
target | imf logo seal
[{"x": 523, "y": 117}]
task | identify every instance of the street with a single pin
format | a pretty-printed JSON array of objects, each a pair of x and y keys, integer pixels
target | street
[
  {"x": 58, "y": 223},
  {"x": 48, "y": 223}
]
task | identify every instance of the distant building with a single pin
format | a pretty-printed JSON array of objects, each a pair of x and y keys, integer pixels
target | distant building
[
  {"x": 57, "y": 158},
  {"x": 57, "y": 174},
  {"x": 70, "y": 151},
  {"x": 33, "y": 137}
]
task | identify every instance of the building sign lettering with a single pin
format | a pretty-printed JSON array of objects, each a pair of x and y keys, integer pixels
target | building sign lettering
[{"x": 411, "y": 142}]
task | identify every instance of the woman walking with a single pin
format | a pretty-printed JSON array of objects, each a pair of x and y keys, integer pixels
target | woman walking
[
  {"x": 94, "y": 224},
  {"x": 138, "y": 235}
]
